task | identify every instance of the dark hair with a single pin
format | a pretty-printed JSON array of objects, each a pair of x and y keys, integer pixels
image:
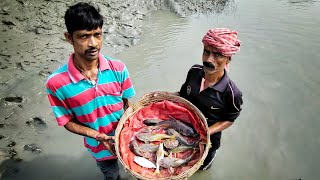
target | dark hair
[{"x": 82, "y": 16}]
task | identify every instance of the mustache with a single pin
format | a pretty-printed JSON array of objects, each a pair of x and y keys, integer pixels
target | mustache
[
  {"x": 91, "y": 49},
  {"x": 209, "y": 65}
]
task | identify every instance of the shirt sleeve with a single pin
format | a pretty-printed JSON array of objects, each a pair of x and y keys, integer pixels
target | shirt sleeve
[
  {"x": 233, "y": 105},
  {"x": 60, "y": 109},
  {"x": 126, "y": 84}
]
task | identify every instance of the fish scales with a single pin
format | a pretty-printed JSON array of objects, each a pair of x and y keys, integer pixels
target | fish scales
[{"x": 150, "y": 137}]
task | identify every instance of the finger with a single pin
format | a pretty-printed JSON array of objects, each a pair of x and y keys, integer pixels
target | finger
[
  {"x": 112, "y": 151},
  {"x": 109, "y": 148},
  {"x": 106, "y": 137}
]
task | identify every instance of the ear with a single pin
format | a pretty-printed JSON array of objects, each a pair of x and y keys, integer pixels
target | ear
[
  {"x": 229, "y": 59},
  {"x": 68, "y": 37}
]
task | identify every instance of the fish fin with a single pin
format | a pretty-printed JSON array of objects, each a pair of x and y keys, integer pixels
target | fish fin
[
  {"x": 171, "y": 170},
  {"x": 166, "y": 153},
  {"x": 156, "y": 172}
]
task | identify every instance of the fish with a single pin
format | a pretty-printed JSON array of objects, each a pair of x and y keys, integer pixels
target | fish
[
  {"x": 148, "y": 129},
  {"x": 179, "y": 126},
  {"x": 180, "y": 148},
  {"x": 170, "y": 143},
  {"x": 182, "y": 139},
  {"x": 134, "y": 147},
  {"x": 140, "y": 149},
  {"x": 171, "y": 162},
  {"x": 159, "y": 155},
  {"x": 149, "y": 147},
  {"x": 149, "y": 122},
  {"x": 143, "y": 162},
  {"x": 150, "y": 137}
]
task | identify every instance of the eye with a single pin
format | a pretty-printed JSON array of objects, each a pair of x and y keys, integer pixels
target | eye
[
  {"x": 206, "y": 52},
  {"x": 98, "y": 34},
  {"x": 217, "y": 55},
  {"x": 84, "y": 36}
]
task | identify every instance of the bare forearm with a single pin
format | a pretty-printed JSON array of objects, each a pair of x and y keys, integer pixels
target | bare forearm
[
  {"x": 77, "y": 128},
  {"x": 219, "y": 126}
]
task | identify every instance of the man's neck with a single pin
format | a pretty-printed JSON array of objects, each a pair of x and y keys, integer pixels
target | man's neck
[
  {"x": 84, "y": 64},
  {"x": 214, "y": 77}
]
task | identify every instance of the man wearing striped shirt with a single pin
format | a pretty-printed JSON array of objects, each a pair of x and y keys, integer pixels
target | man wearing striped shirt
[{"x": 89, "y": 94}]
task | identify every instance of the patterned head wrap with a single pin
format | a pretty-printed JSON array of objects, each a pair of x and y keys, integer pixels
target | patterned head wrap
[{"x": 224, "y": 40}]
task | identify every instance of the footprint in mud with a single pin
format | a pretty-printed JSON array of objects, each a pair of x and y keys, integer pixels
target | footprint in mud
[
  {"x": 32, "y": 147},
  {"x": 26, "y": 62},
  {"x": 14, "y": 99},
  {"x": 44, "y": 73},
  {"x": 2, "y": 136},
  {"x": 2, "y": 125},
  {"x": 38, "y": 123}
]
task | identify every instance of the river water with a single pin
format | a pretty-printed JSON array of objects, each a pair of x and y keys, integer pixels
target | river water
[{"x": 277, "y": 134}]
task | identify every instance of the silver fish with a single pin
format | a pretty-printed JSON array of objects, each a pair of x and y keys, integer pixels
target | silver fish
[
  {"x": 148, "y": 147},
  {"x": 151, "y": 121},
  {"x": 160, "y": 155},
  {"x": 178, "y": 125},
  {"x": 140, "y": 149},
  {"x": 134, "y": 147},
  {"x": 180, "y": 148},
  {"x": 182, "y": 139},
  {"x": 171, "y": 162},
  {"x": 144, "y": 162},
  {"x": 150, "y": 137},
  {"x": 148, "y": 129}
]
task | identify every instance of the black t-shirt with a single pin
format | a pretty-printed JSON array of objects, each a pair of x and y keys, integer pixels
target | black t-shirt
[{"x": 220, "y": 102}]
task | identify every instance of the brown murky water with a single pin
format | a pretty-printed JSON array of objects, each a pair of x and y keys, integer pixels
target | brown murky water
[{"x": 276, "y": 136}]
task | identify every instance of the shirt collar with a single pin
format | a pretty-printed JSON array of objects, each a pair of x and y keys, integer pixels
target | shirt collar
[
  {"x": 222, "y": 84},
  {"x": 76, "y": 76}
]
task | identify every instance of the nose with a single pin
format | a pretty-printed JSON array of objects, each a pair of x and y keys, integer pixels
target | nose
[
  {"x": 211, "y": 57},
  {"x": 93, "y": 41}
]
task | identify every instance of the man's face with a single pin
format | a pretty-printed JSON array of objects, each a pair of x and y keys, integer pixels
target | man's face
[
  {"x": 213, "y": 61},
  {"x": 86, "y": 44}
]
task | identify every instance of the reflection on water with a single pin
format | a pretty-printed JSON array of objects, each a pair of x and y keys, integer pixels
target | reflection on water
[{"x": 276, "y": 136}]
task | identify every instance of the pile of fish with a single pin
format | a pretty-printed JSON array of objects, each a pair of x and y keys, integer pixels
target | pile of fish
[{"x": 157, "y": 144}]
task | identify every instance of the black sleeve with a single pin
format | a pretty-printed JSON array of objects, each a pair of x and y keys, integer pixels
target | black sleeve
[{"x": 233, "y": 104}]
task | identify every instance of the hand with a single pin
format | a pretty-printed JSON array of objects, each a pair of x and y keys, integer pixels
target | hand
[
  {"x": 159, "y": 93},
  {"x": 107, "y": 141}
]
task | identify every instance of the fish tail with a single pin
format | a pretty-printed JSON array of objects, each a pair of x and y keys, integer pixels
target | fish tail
[{"x": 157, "y": 171}]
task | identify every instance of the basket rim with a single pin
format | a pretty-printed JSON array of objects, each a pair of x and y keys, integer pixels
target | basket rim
[{"x": 148, "y": 99}]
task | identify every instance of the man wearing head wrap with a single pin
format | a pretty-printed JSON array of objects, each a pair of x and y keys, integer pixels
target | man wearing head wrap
[{"x": 209, "y": 88}]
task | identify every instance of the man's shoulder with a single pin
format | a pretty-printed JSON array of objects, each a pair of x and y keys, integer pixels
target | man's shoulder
[
  {"x": 115, "y": 64},
  {"x": 233, "y": 88},
  {"x": 196, "y": 66},
  {"x": 61, "y": 72}
]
